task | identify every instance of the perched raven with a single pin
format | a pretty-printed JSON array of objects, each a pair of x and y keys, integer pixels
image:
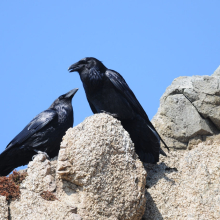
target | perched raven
[
  {"x": 42, "y": 135},
  {"x": 107, "y": 91}
]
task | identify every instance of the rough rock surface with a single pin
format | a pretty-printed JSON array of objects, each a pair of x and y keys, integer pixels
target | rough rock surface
[
  {"x": 98, "y": 156},
  {"x": 41, "y": 177},
  {"x": 189, "y": 110},
  {"x": 97, "y": 176},
  {"x": 3, "y": 208},
  {"x": 185, "y": 185}
]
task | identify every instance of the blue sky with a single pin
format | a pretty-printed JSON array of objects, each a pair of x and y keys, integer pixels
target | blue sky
[{"x": 148, "y": 42}]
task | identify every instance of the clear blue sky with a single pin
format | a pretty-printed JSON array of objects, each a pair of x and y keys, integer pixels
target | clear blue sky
[{"x": 148, "y": 42}]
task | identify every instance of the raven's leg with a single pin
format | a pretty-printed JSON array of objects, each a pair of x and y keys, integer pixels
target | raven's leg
[{"x": 40, "y": 152}]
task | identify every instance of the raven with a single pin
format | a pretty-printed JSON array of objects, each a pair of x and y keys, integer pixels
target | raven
[
  {"x": 42, "y": 135},
  {"x": 107, "y": 91}
]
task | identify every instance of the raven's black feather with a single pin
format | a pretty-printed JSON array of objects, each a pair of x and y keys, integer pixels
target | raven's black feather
[
  {"x": 107, "y": 91},
  {"x": 44, "y": 133}
]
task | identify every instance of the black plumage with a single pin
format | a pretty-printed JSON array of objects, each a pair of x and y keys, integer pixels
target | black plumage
[
  {"x": 43, "y": 134},
  {"x": 107, "y": 91}
]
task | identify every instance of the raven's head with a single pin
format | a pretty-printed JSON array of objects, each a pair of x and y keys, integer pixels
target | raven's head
[
  {"x": 65, "y": 98},
  {"x": 87, "y": 63},
  {"x": 69, "y": 95}
]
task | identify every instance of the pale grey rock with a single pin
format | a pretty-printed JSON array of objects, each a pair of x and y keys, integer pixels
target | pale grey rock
[
  {"x": 32, "y": 206},
  {"x": 3, "y": 208},
  {"x": 189, "y": 108},
  {"x": 187, "y": 122},
  {"x": 40, "y": 176},
  {"x": 98, "y": 156},
  {"x": 217, "y": 72},
  {"x": 186, "y": 184}
]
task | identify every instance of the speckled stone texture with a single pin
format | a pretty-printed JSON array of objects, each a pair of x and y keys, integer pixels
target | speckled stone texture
[
  {"x": 3, "y": 208},
  {"x": 99, "y": 157},
  {"x": 97, "y": 176},
  {"x": 185, "y": 185},
  {"x": 41, "y": 177}
]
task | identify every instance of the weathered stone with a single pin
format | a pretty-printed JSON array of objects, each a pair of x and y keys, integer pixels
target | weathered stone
[
  {"x": 205, "y": 84},
  {"x": 3, "y": 208},
  {"x": 39, "y": 176},
  {"x": 98, "y": 156},
  {"x": 194, "y": 142},
  {"x": 217, "y": 72},
  {"x": 32, "y": 206},
  {"x": 187, "y": 122},
  {"x": 186, "y": 184},
  {"x": 189, "y": 108},
  {"x": 97, "y": 176}
]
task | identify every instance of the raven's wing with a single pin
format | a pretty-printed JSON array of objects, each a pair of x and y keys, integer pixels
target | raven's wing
[
  {"x": 40, "y": 121},
  {"x": 124, "y": 89},
  {"x": 92, "y": 107},
  {"x": 120, "y": 84}
]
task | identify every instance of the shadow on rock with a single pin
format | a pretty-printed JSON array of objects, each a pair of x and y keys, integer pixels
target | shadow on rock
[
  {"x": 155, "y": 172},
  {"x": 151, "y": 211}
]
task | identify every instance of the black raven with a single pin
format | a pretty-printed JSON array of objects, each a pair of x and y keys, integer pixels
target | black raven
[
  {"x": 42, "y": 135},
  {"x": 107, "y": 91}
]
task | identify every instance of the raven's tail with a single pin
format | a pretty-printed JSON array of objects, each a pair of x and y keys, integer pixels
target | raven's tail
[
  {"x": 12, "y": 158},
  {"x": 151, "y": 125},
  {"x": 6, "y": 170},
  {"x": 162, "y": 152},
  {"x": 6, "y": 164},
  {"x": 145, "y": 139}
]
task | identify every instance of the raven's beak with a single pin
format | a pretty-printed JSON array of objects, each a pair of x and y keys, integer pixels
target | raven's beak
[
  {"x": 71, "y": 93},
  {"x": 75, "y": 67}
]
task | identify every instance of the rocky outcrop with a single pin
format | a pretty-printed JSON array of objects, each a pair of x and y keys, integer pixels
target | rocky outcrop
[
  {"x": 3, "y": 208},
  {"x": 189, "y": 110},
  {"x": 40, "y": 178},
  {"x": 97, "y": 176},
  {"x": 186, "y": 184},
  {"x": 98, "y": 156}
]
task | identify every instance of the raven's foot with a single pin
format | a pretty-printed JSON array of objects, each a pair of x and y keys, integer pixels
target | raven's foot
[
  {"x": 40, "y": 152},
  {"x": 108, "y": 113}
]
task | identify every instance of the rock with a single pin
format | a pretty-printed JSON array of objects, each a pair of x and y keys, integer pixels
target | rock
[
  {"x": 32, "y": 206},
  {"x": 189, "y": 109},
  {"x": 97, "y": 176},
  {"x": 217, "y": 72},
  {"x": 186, "y": 184},
  {"x": 40, "y": 175},
  {"x": 98, "y": 156},
  {"x": 3, "y": 208},
  {"x": 40, "y": 178}
]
